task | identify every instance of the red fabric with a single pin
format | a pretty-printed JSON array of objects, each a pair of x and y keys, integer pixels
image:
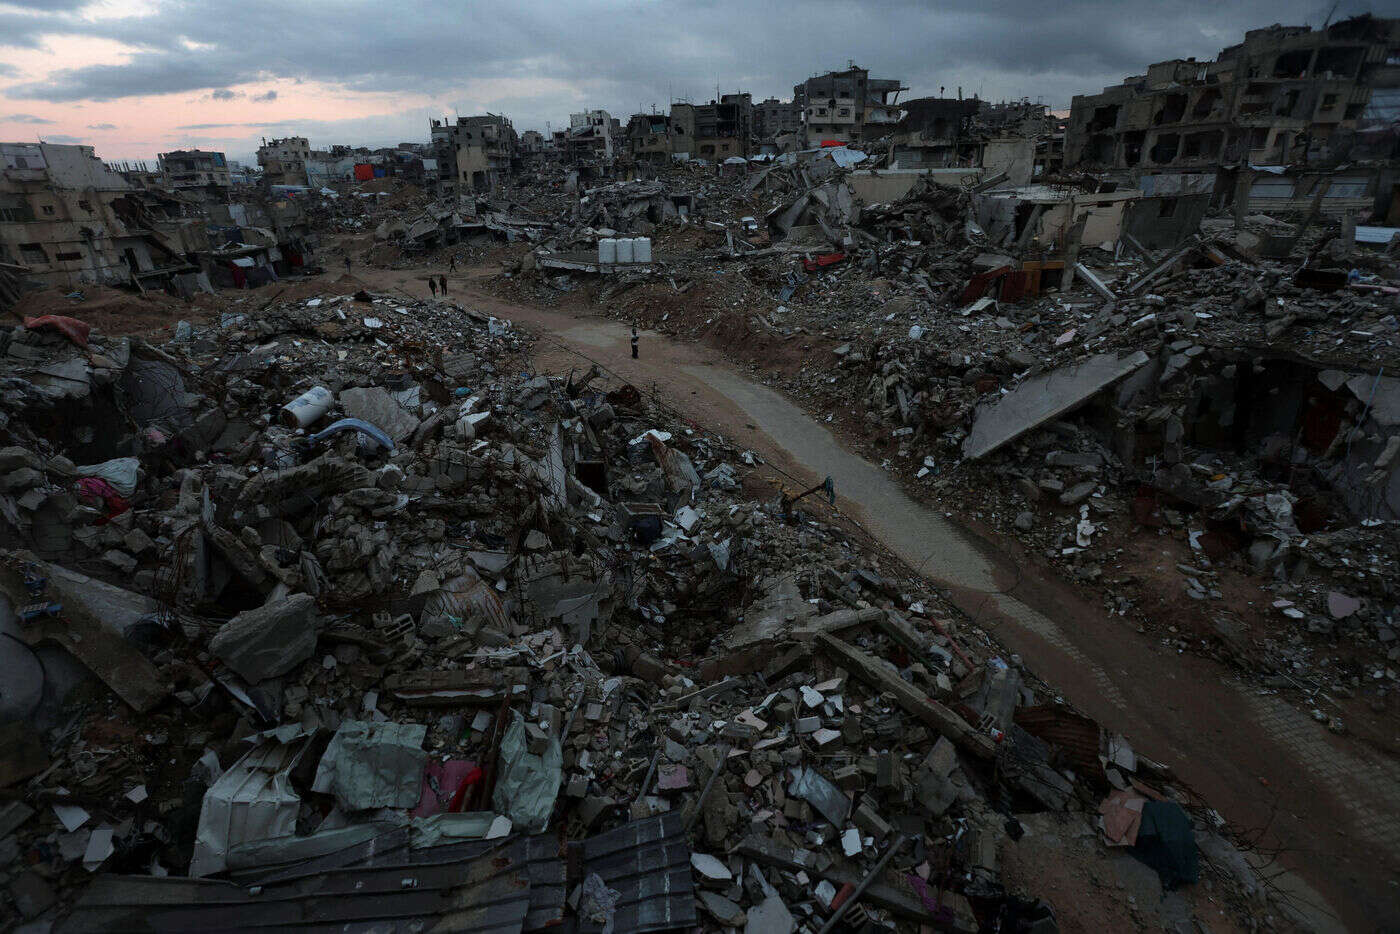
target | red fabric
[
  {"x": 92, "y": 490},
  {"x": 444, "y": 784},
  {"x": 822, "y": 260},
  {"x": 73, "y": 329},
  {"x": 363, "y": 171}
]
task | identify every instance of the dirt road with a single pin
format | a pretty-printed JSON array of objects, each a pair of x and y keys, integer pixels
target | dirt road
[{"x": 1327, "y": 806}]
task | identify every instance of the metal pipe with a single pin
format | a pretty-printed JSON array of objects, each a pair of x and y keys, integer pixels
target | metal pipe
[
  {"x": 700, "y": 804},
  {"x": 874, "y": 874}
]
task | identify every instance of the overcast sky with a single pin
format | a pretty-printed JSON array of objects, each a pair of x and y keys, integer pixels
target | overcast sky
[{"x": 136, "y": 78}]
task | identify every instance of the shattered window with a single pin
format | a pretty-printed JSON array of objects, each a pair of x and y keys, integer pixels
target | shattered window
[
  {"x": 14, "y": 209},
  {"x": 1348, "y": 188},
  {"x": 1272, "y": 188}
]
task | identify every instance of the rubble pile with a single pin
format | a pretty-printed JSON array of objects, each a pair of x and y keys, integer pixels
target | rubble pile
[
  {"x": 342, "y": 597},
  {"x": 1243, "y": 412}
]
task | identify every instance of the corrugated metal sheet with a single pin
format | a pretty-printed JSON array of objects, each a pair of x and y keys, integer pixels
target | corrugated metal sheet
[
  {"x": 384, "y": 884},
  {"x": 490, "y": 893},
  {"x": 648, "y": 861},
  {"x": 253, "y": 800},
  {"x": 1076, "y": 737}
]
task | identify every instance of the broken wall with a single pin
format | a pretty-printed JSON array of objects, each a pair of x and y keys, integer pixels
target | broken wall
[{"x": 1013, "y": 155}]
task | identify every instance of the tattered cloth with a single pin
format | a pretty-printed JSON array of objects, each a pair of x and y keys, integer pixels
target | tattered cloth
[
  {"x": 73, "y": 329},
  {"x": 95, "y": 491}
]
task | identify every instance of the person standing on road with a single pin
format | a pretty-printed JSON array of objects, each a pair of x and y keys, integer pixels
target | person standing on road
[
  {"x": 634, "y": 342},
  {"x": 347, "y": 265},
  {"x": 452, "y": 263},
  {"x": 442, "y": 284},
  {"x": 432, "y": 286}
]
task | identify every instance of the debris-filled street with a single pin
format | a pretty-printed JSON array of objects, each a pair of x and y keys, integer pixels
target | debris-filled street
[{"x": 970, "y": 517}]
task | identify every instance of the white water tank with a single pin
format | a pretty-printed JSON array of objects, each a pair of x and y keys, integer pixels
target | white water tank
[
  {"x": 607, "y": 250},
  {"x": 307, "y": 408},
  {"x": 624, "y": 249},
  {"x": 641, "y": 250}
]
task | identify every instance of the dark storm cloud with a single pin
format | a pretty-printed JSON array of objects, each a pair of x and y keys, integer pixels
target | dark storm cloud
[
  {"x": 269, "y": 96},
  {"x": 224, "y": 94},
  {"x": 101, "y": 126},
  {"x": 622, "y": 56},
  {"x": 23, "y": 118}
]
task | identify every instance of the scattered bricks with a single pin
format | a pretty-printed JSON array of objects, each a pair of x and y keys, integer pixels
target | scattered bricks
[
  {"x": 536, "y": 739},
  {"x": 934, "y": 792},
  {"x": 869, "y": 820},
  {"x": 848, "y": 778},
  {"x": 887, "y": 772},
  {"x": 942, "y": 759}
]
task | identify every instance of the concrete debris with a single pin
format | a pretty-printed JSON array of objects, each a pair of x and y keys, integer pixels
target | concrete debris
[
  {"x": 270, "y": 640},
  {"x": 485, "y": 645}
]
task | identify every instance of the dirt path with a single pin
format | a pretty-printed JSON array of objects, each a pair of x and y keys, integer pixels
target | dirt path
[{"x": 1328, "y": 806}]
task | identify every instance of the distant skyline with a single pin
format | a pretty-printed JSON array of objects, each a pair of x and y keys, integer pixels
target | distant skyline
[{"x": 135, "y": 79}]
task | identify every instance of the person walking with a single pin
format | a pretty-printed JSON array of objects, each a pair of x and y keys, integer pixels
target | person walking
[
  {"x": 452, "y": 265},
  {"x": 442, "y": 284},
  {"x": 432, "y": 286},
  {"x": 634, "y": 342}
]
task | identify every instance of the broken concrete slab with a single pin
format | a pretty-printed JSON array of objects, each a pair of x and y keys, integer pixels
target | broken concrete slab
[
  {"x": 1043, "y": 397},
  {"x": 270, "y": 640},
  {"x": 380, "y": 408}
]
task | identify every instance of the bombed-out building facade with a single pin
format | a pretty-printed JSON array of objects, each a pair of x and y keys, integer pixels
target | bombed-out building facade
[{"x": 1270, "y": 116}]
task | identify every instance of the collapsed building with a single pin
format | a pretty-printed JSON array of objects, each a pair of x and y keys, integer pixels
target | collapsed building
[
  {"x": 284, "y": 161},
  {"x": 195, "y": 169},
  {"x": 68, "y": 219},
  {"x": 337, "y": 610},
  {"x": 415, "y": 637}
]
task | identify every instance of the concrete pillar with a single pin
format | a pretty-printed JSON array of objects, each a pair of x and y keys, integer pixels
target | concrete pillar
[
  {"x": 1244, "y": 181},
  {"x": 1346, "y": 240}
]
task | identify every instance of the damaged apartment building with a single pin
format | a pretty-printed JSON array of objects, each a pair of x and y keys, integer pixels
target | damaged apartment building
[
  {"x": 847, "y": 107},
  {"x": 67, "y": 219},
  {"x": 284, "y": 161},
  {"x": 952, "y": 133},
  {"x": 777, "y": 123},
  {"x": 473, "y": 154},
  {"x": 195, "y": 170},
  {"x": 1274, "y": 118},
  {"x": 592, "y": 137},
  {"x": 722, "y": 129}
]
